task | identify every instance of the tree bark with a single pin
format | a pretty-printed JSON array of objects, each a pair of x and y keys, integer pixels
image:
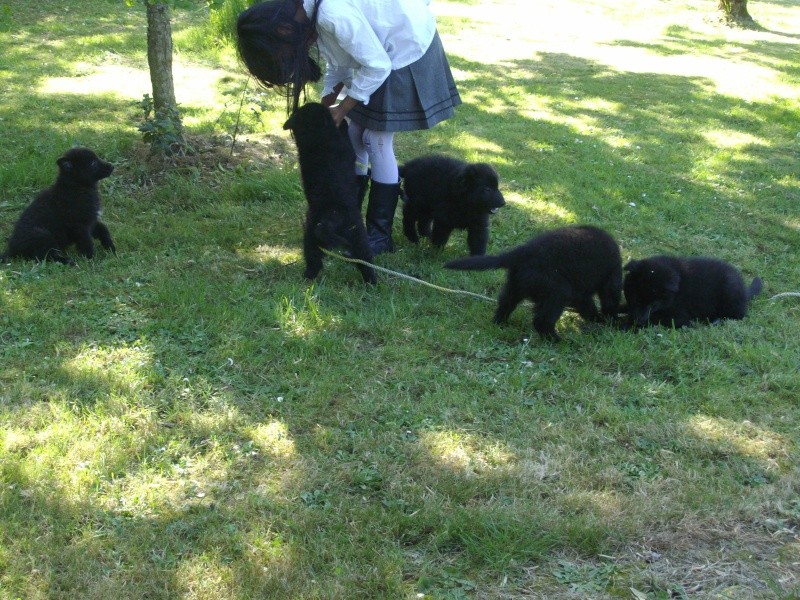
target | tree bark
[
  {"x": 735, "y": 11},
  {"x": 159, "y": 58}
]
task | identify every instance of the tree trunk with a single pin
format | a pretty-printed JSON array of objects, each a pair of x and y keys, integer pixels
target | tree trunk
[
  {"x": 159, "y": 58},
  {"x": 735, "y": 11}
]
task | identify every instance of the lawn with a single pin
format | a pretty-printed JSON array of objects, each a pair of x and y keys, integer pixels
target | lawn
[{"x": 191, "y": 419}]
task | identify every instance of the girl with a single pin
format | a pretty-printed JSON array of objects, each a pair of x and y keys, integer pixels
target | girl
[{"x": 385, "y": 56}]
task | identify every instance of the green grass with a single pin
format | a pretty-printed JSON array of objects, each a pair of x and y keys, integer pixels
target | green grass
[{"x": 191, "y": 419}]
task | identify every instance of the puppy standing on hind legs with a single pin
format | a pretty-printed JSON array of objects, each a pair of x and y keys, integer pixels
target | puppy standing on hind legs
[
  {"x": 333, "y": 218},
  {"x": 561, "y": 268},
  {"x": 66, "y": 213}
]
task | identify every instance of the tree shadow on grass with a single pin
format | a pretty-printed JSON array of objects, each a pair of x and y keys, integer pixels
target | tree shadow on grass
[
  {"x": 155, "y": 547},
  {"x": 680, "y": 40},
  {"x": 212, "y": 471},
  {"x": 543, "y": 151}
]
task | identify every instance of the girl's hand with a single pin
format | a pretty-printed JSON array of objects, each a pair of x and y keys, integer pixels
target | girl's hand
[{"x": 339, "y": 111}]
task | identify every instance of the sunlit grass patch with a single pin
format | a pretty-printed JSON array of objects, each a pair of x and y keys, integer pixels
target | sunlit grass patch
[
  {"x": 124, "y": 370},
  {"x": 268, "y": 253},
  {"x": 743, "y": 438},
  {"x": 303, "y": 319},
  {"x": 548, "y": 209},
  {"x": 274, "y": 439},
  {"x": 463, "y": 453},
  {"x": 16, "y": 439},
  {"x": 733, "y": 138}
]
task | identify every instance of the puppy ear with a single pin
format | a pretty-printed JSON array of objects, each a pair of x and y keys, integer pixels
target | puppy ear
[
  {"x": 632, "y": 266},
  {"x": 64, "y": 164},
  {"x": 463, "y": 179},
  {"x": 470, "y": 174}
]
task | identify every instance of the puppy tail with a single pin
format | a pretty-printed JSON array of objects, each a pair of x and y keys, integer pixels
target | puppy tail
[
  {"x": 478, "y": 263},
  {"x": 755, "y": 288}
]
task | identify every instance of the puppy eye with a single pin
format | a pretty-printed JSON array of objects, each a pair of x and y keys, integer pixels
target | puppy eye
[{"x": 94, "y": 162}]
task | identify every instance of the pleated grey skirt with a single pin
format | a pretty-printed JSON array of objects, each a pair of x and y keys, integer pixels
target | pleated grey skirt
[{"x": 415, "y": 97}]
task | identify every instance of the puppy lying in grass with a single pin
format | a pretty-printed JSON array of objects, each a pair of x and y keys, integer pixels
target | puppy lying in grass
[
  {"x": 442, "y": 194},
  {"x": 561, "y": 268},
  {"x": 66, "y": 213},
  {"x": 675, "y": 291},
  {"x": 333, "y": 218}
]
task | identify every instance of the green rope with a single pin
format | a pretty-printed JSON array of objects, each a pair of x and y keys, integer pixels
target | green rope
[{"x": 404, "y": 276}]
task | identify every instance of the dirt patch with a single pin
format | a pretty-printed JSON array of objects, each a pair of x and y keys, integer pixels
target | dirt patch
[{"x": 205, "y": 157}]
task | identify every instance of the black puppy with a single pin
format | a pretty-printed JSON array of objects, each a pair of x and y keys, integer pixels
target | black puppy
[
  {"x": 327, "y": 170},
  {"x": 442, "y": 194},
  {"x": 561, "y": 268},
  {"x": 66, "y": 213},
  {"x": 674, "y": 291}
]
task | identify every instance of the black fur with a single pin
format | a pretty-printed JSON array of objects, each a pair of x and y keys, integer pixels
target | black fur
[
  {"x": 66, "y": 213},
  {"x": 327, "y": 163},
  {"x": 674, "y": 291},
  {"x": 561, "y": 268},
  {"x": 442, "y": 194}
]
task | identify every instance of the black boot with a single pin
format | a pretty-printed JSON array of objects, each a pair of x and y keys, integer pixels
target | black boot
[
  {"x": 363, "y": 185},
  {"x": 382, "y": 203}
]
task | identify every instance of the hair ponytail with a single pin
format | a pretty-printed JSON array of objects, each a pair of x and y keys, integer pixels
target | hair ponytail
[{"x": 306, "y": 67}]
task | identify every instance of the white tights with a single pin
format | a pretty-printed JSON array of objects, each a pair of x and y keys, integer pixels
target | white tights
[{"x": 375, "y": 150}]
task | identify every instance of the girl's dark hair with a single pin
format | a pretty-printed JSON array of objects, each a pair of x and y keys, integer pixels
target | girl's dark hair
[{"x": 276, "y": 49}]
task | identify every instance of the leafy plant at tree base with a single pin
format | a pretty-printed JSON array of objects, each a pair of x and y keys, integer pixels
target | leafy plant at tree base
[{"x": 162, "y": 130}]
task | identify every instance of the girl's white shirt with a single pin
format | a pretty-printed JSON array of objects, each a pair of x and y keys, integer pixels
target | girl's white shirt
[{"x": 362, "y": 41}]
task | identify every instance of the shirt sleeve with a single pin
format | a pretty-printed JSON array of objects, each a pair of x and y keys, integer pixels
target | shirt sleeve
[
  {"x": 334, "y": 76},
  {"x": 354, "y": 35}
]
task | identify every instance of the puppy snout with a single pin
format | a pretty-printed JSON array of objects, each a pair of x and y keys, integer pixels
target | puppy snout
[{"x": 497, "y": 202}]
